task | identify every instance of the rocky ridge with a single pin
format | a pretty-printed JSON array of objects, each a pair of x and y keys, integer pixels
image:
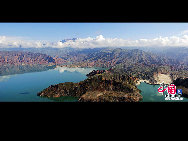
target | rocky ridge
[{"x": 105, "y": 87}]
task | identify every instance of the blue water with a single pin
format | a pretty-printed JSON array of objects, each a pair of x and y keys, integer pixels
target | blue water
[
  {"x": 24, "y": 87},
  {"x": 150, "y": 94}
]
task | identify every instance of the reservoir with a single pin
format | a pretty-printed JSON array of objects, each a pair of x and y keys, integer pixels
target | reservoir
[
  {"x": 24, "y": 87},
  {"x": 150, "y": 94}
]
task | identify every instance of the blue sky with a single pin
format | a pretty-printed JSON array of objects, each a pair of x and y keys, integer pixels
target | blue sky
[
  {"x": 93, "y": 34},
  {"x": 58, "y": 31}
]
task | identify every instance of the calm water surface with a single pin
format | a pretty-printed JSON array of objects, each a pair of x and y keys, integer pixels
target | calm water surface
[
  {"x": 24, "y": 87},
  {"x": 150, "y": 94}
]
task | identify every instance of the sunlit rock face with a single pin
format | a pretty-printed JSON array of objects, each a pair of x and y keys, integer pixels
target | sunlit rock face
[
  {"x": 22, "y": 58},
  {"x": 110, "y": 96},
  {"x": 163, "y": 78},
  {"x": 105, "y": 87}
]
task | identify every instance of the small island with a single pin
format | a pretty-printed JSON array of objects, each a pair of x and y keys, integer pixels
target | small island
[
  {"x": 100, "y": 86},
  {"x": 119, "y": 81}
]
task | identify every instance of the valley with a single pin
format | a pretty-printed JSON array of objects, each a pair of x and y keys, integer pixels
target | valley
[{"x": 123, "y": 70}]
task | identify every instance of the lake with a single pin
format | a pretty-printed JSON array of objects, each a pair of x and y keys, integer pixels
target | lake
[
  {"x": 150, "y": 94},
  {"x": 24, "y": 87}
]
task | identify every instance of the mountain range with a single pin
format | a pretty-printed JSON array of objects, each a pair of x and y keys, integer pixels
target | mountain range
[{"x": 124, "y": 67}]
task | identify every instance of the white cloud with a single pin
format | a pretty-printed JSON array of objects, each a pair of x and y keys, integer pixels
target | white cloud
[
  {"x": 4, "y": 78},
  {"x": 99, "y": 41},
  {"x": 184, "y": 32},
  {"x": 80, "y": 70}
]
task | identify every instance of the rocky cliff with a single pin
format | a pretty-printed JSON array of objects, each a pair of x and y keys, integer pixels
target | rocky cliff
[
  {"x": 22, "y": 58},
  {"x": 28, "y": 58},
  {"x": 182, "y": 84},
  {"x": 105, "y": 87}
]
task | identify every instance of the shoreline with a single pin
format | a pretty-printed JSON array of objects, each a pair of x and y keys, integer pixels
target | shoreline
[{"x": 159, "y": 78}]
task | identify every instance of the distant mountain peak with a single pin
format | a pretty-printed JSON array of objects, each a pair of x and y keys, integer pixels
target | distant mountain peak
[{"x": 65, "y": 40}]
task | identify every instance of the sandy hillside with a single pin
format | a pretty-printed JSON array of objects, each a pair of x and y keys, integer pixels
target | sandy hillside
[
  {"x": 163, "y": 77},
  {"x": 139, "y": 81}
]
